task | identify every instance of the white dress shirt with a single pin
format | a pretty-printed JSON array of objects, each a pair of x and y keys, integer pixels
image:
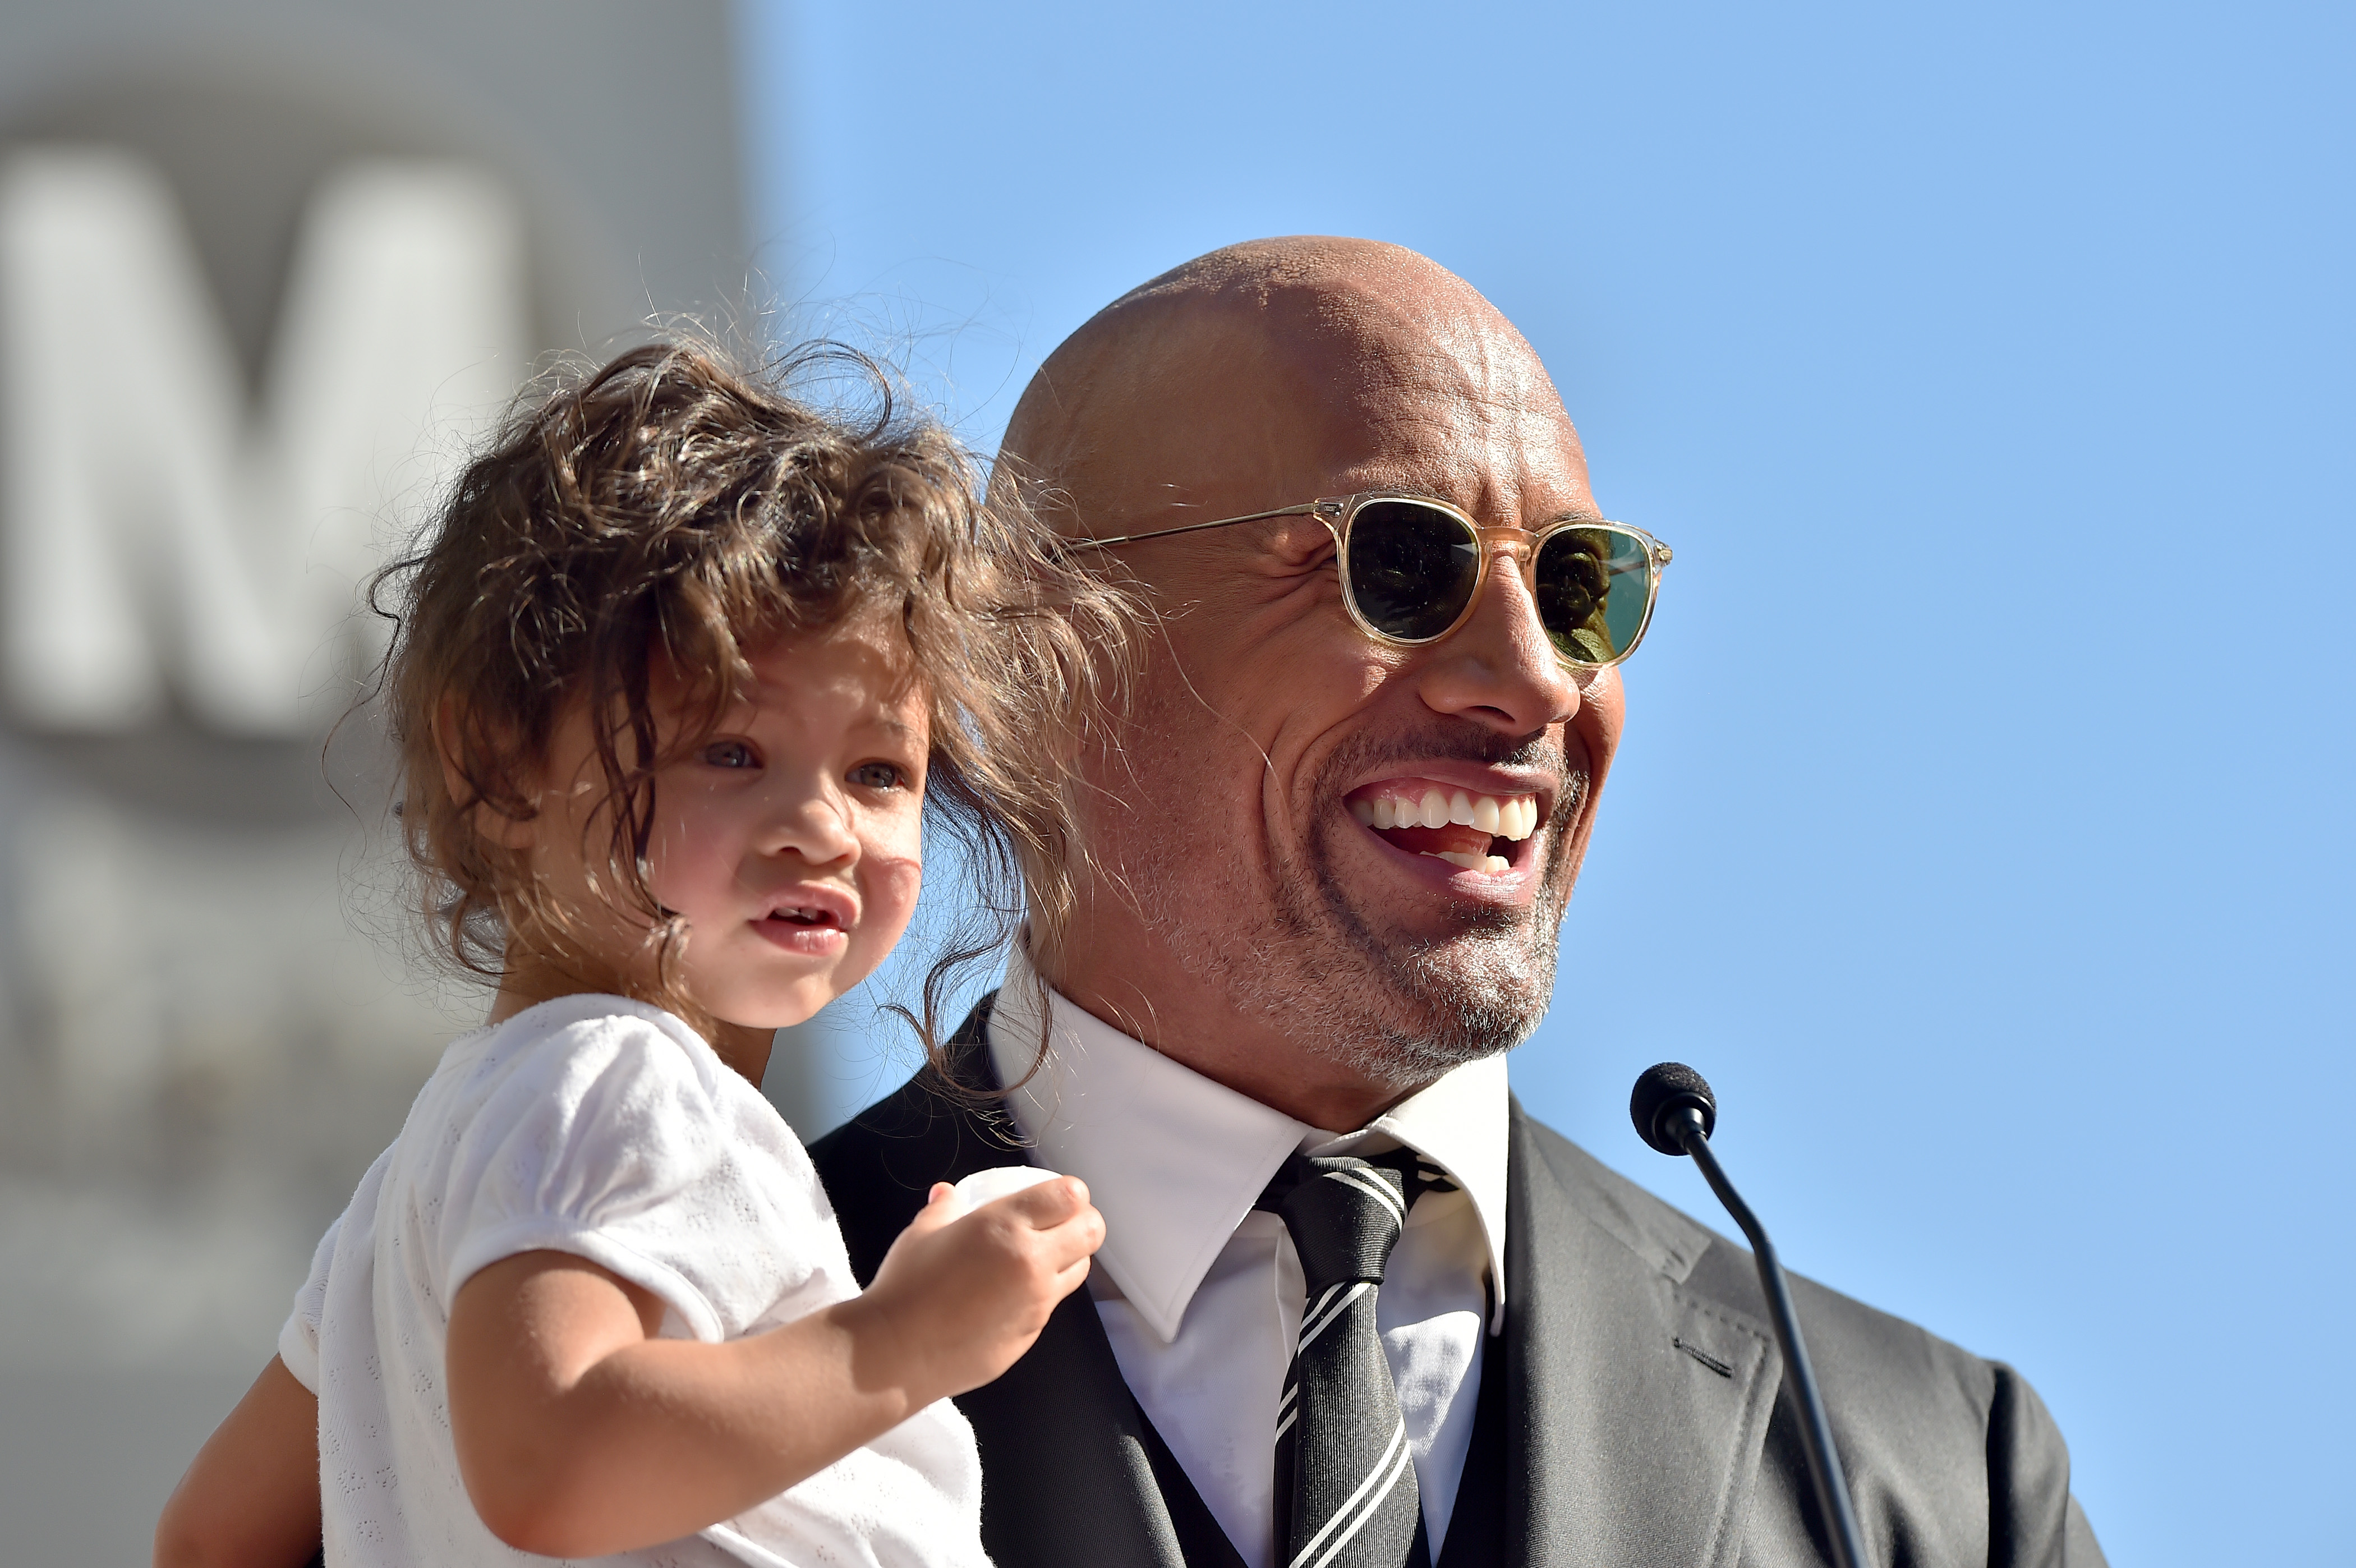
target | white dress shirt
[{"x": 1202, "y": 1295}]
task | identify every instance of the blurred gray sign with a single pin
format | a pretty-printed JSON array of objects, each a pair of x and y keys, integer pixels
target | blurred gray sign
[{"x": 265, "y": 271}]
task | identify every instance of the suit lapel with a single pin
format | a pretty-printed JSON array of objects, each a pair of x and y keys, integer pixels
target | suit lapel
[
  {"x": 1637, "y": 1408},
  {"x": 1067, "y": 1476}
]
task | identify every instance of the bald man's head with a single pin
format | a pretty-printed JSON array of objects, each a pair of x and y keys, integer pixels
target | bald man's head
[
  {"x": 1252, "y": 362},
  {"x": 1243, "y": 912}
]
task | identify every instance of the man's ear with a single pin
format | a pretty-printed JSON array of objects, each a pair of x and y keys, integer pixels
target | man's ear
[{"x": 518, "y": 834}]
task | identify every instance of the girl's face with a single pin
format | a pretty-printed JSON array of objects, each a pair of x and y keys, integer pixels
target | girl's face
[{"x": 791, "y": 841}]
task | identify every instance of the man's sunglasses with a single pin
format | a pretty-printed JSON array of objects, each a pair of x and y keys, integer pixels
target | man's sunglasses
[{"x": 1412, "y": 569}]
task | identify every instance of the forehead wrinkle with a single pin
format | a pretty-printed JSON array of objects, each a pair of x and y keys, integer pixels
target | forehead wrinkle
[
  {"x": 1469, "y": 446},
  {"x": 1456, "y": 403}
]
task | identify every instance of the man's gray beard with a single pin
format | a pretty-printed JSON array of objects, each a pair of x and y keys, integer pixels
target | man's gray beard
[{"x": 1392, "y": 1011}]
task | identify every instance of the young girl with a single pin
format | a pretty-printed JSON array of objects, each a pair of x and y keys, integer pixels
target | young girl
[{"x": 680, "y": 670}]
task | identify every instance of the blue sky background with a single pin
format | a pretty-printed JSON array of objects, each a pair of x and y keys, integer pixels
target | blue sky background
[{"x": 1983, "y": 826}]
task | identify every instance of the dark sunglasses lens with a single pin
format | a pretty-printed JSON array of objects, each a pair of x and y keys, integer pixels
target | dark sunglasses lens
[
  {"x": 1594, "y": 585},
  {"x": 1411, "y": 568}
]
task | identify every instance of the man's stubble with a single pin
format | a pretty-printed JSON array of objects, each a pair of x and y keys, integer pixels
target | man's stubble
[{"x": 1290, "y": 948}]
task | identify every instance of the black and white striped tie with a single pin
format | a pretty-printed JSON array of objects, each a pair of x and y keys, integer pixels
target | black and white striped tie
[{"x": 1346, "y": 1492}]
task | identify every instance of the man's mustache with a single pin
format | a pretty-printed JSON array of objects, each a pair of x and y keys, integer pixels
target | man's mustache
[{"x": 1452, "y": 743}]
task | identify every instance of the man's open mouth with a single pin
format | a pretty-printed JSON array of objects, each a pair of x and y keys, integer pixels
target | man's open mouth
[{"x": 1470, "y": 831}]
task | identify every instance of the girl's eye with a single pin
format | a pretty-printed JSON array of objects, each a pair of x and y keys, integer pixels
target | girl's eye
[
  {"x": 730, "y": 754},
  {"x": 878, "y": 776}
]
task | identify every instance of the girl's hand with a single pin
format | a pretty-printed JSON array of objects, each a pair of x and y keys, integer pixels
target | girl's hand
[{"x": 961, "y": 1295}]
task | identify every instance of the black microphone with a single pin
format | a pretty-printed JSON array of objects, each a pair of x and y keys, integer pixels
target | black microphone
[{"x": 1675, "y": 1112}]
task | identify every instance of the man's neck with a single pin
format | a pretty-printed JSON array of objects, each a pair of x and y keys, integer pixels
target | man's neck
[{"x": 1198, "y": 1031}]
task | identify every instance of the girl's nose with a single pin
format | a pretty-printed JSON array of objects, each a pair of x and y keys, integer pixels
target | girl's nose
[{"x": 817, "y": 827}]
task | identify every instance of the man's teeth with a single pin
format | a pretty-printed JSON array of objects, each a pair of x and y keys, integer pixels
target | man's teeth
[
  {"x": 1494, "y": 864},
  {"x": 1513, "y": 817}
]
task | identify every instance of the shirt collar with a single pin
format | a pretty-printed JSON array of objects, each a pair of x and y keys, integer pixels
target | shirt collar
[{"x": 1175, "y": 1161}]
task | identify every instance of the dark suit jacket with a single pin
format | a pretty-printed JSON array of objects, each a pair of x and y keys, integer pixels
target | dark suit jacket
[{"x": 1642, "y": 1422}]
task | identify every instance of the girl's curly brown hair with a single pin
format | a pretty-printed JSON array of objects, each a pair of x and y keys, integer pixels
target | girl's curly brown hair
[{"x": 678, "y": 504}]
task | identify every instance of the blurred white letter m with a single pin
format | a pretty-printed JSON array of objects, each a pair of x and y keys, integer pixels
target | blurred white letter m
[{"x": 160, "y": 535}]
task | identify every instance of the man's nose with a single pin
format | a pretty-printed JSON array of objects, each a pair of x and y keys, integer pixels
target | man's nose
[{"x": 1499, "y": 668}]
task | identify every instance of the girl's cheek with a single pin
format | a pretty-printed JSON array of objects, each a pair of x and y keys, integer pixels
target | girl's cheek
[
  {"x": 672, "y": 836},
  {"x": 896, "y": 835},
  {"x": 894, "y": 880}
]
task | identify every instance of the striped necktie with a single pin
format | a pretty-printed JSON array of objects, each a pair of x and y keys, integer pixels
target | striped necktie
[{"x": 1346, "y": 1492}]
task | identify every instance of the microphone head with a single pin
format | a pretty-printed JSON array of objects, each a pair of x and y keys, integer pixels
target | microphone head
[{"x": 1668, "y": 1087}]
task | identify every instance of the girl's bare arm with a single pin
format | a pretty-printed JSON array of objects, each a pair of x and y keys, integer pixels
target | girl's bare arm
[
  {"x": 579, "y": 1433},
  {"x": 252, "y": 1498}
]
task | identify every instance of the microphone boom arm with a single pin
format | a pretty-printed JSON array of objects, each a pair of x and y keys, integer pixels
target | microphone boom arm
[{"x": 1683, "y": 1124}]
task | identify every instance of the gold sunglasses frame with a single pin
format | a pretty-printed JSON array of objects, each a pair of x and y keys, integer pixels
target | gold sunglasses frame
[{"x": 1338, "y": 512}]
